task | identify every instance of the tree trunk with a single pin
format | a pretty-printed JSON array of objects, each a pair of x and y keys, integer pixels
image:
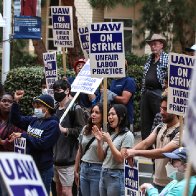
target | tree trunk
[{"x": 40, "y": 48}]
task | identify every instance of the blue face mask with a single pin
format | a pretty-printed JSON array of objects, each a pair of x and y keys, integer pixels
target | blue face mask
[{"x": 38, "y": 113}]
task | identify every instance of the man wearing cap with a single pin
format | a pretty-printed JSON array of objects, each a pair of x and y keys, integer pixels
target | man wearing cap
[
  {"x": 191, "y": 51},
  {"x": 175, "y": 168},
  {"x": 154, "y": 72},
  {"x": 42, "y": 132},
  {"x": 165, "y": 137}
]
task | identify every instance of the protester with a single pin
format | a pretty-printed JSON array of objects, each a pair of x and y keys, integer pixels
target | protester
[
  {"x": 165, "y": 137},
  {"x": 42, "y": 133},
  {"x": 154, "y": 72},
  {"x": 175, "y": 168},
  {"x": 67, "y": 145},
  {"x": 158, "y": 117},
  {"x": 191, "y": 51},
  {"x": 44, "y": 86},
  {"x": 124, "y": 88},
  {"x": 6, "y": 127},
  {"x": 111, "y": 146},
  {"x": 90, "y": 167}
]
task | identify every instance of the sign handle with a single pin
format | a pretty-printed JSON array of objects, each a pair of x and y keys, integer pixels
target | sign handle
[
  {"x": 181, "y": 129},
  {"x": 187, "y": 177},
  {"x": 69, "y": 106},
  {"x": 64, "y": 53},
  {"x": 105, "y": 104}
]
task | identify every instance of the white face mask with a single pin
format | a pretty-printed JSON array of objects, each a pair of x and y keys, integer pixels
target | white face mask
[
  {"x": 38, "y": 113},
  {"x": 44, "y": 91},
  {"x": 173, "y": 172}
]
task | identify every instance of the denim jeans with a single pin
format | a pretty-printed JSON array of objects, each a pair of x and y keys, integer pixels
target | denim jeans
[
  {"x": 47, "y": 176},
  {"x": 89, "y": 178},
  {"x": 112, "y": 182}
]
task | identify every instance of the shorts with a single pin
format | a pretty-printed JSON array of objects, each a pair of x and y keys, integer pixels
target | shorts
[{"x": 64, "y": 175}]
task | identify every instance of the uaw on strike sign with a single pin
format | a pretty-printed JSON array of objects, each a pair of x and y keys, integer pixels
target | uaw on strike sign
[
  {"x": 180, "y": 71},
  {"x": 20, "y": 175},
  {"x": 62, "y": 24},
  {"x": 106, "y": 49}
]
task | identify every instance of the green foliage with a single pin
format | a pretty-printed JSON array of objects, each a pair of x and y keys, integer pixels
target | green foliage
[
  {"x": 29, "y": 80},
  {"x": 135, "y": 70},
  {"x": 19, "y": 56},
  {"x": 175, "y": 17},
  {"x": 109, "y": 3}
]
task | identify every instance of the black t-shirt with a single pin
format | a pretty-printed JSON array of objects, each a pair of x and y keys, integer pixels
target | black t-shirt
[{"x": 151, "y": 80}]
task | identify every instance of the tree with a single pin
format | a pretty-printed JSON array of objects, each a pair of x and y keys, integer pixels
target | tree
[{"x": 170, "y": 17}]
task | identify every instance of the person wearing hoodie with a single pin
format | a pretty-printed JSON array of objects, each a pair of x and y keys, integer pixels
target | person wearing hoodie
[{"x": 42, "y": 132}]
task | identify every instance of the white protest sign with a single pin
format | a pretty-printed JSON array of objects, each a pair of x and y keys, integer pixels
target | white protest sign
[
  {"x": 131, "y": 178},
  {"x": 84, "y": 40},
  {"x": 84, "y": 82},
  {"x": 20, "y": 145},
  {"x": 62, "y": 23},
  {"x": 106, "y": 49},
  {"x": 189, "y": 135},
  {"x": 20, "y": 175},
  {"x": 180, "y": 69},
  {"x": 50, "y": 66}
]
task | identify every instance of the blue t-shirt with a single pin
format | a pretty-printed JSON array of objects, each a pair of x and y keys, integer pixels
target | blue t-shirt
[{"x": 125, "y": 84}]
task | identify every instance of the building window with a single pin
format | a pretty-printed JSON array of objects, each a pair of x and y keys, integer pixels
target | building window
[{"x": 128, "y": 27}]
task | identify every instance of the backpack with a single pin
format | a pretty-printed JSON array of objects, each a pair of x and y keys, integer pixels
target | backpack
[
  {"x": 171, "y": 135},
  {"x": 86, "y": 113}
]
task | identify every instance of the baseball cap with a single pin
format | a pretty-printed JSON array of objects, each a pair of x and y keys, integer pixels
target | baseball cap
[
  {"x": 46, "y": 100},
  {"x": 191, "y": 49},
  {"x": 81, "y": 60},
  {"x": 179, "y": 153}
]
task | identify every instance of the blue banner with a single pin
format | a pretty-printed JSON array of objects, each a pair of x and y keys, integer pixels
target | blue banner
[{"x": 27, "y": 27}]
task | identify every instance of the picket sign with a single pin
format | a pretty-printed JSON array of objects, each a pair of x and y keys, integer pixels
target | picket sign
[
  {"x": 189, "y": 136},
  {"x": 83, "y": 83},
  {"x": 20, "y": 175},
  {"x": 20, "y": 145}
]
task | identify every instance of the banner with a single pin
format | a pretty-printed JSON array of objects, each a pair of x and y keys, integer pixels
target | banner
[
  {"x": 27, "y": 19},
  {"x": 84, "y": 40},
  {"x": 189, "y": 136},
  {"x": 107, "y": 49},
  {"x": 62, "y": 23},
  {"x": 84, "y": 82},
  {"x": 50, "y": 66},
  {"x": 180, "y": 70},
  {"x": 20, "y": 175}
]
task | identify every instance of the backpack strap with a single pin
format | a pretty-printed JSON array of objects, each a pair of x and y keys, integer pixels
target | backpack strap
[
  {"x": 88, "y": 145},
  {"x": 173, "y": 134}
]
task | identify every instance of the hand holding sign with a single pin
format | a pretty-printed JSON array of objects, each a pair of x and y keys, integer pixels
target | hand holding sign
[{"x": 14, "y": 135}]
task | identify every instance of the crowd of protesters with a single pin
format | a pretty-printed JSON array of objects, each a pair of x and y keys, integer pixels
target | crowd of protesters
[{"x": 77, "y": 156}]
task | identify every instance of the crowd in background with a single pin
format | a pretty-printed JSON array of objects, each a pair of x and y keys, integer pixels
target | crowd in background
[{"x": 77, "y": 156}]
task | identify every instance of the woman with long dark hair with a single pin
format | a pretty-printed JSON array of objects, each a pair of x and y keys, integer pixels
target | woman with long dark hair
[
  {"x": 111, "y": 145},
  {"x": 90, "y": 166}
]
